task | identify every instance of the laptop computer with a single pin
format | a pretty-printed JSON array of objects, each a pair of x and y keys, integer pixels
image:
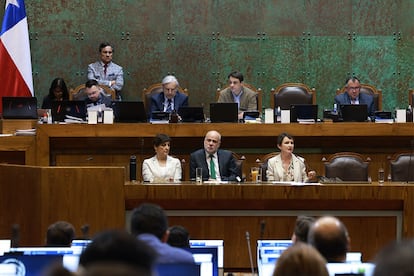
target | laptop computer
[
  {"x": 354, "y": 112},
  {"x": 19, "y": 108},
  {"x": 305, "y": 112},
  {"x": 191, "y": 114},
  {"x": 129, "y": 112},
  {"x": 268, "y": 252},
  {"x": 34, "y": 265},
  {"x": 224, "y": 112},
  {"x": 60, "y": 110}
]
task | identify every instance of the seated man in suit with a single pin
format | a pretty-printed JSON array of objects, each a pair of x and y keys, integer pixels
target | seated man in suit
[
  {"x": 352, "y": 96},
  {"x": 237, "y": 93},
  {"x": 170, "y": 98},
  {"x": 95, "y": 94},
  {"x": 216, "y": 164}
]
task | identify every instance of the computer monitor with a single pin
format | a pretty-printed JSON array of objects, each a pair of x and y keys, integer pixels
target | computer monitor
[
  {"x": 178, "y": 269},
  {"x": 129, "y": 112},
  {"x": 62, "y": 109},
  {"x": 268, "y": 252},
  {"x": 354, "y": 112},
  {"x": 19, "y": 107},
  {"x": 303, "y": 113},
  {"x": 224, "y": 113},
  {"x": 219, "y": 244},
  {"x": 33, "y": 265},
  {"x": 357, "y": 269}
]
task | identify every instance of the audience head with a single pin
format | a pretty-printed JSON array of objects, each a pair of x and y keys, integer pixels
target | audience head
[
  {"x": 169, "y": 86},
  {"x": 212, "y": 141},
  {"x": 115, "y": 248},
  {"x": 396, "y": 259},
  {"x": 106, "y": 51},
  {"x": 58, "y": 90},
  {"x": 235, "y": 81},
  {"x": 353, "y": 87},
  {"x": 302, "y": 225},
  {"x": 300, "y": 259},
  {"x": 330, "y": 237},
  {"x": 60, "y": 233},
  {"x": 178, "y": 237},
  {"x": 150, "y": 218},
  {"x": 93, "y": 90}
]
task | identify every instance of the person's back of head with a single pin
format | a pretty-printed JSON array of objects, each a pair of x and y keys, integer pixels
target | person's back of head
[
  {"x": 330, "y": 237},
  {"x": 300, "y": 259},
  {"x": 302, "y": 226},
  {"x": 149, "y": 219},
  {"x": 178, "y": 237},
  {"x": 396, "y": 259},
  {"x": 60, "y": 233},
  {"x": 117, "y": 248}
]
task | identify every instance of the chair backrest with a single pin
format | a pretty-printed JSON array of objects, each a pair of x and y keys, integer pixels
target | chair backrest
[
  {"x": 411, "y": 97},
  {"x": 347, "y": 166},
  {"x": 156, "y": 89},
  {"x": 292, "y": 93},
  {"x": 370, "y": 90},
  {"x": 78, "y": 93},
  {"x": 402, "y": 167},
  {"x": 259, "y": 94},
  {"x": 239, "y": 164}
]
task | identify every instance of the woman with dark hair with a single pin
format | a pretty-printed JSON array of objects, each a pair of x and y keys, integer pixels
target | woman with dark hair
[
  {"x": 162, "y": 167},
  {"x": 286, "y": 166},
  {"x": 58, "y": 91}
]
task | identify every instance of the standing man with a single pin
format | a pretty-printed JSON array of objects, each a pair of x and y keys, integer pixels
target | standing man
[
  {"x": 352, "y": 95},
  {"x": 105, "y": 72},
  {"x": 237, "y": 93},
  {"x": 216, "y": 164}
]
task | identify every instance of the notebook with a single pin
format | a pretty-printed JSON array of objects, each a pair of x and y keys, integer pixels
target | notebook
[
  {"x": 224, "y": 112},
  {"x": 129, "y": 112},
  {"x": 190, "y": 114},
  {"x": 62, "y": 109},
  {"x": 19, "y": 108},
  {"x": 303, "y": 112},
  {"x": 354, "y": 112}
]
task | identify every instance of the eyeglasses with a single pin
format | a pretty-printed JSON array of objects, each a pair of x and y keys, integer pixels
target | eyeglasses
[{"x": 354, "y": 88}]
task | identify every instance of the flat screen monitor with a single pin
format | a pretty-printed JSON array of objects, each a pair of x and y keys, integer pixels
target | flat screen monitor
[
  {"x": 129, "y": 112},
  {"x": 207, "y": 258},
  {"x": 33, "y": 265},
  {"x": 357, "y": 269},
  {"x": 19, "y": 107},
  {"x": 62, "y": 109},
  {"x": 354, "y": 112},
  {"x": 303, "y": 113},
  {"x": 224, "y": 113},
  {"x": 191, "y": 114},
  {"x": 268, "y": 252}
]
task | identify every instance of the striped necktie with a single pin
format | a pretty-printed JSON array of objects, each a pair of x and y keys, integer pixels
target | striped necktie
[
  {"x": 169, "y": 106},
  {"x": 212, "y": 167}
]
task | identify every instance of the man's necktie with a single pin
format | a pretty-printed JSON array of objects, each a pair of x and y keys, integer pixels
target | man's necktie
[
  {"x": 105, "y": 67},
  {"x": 212, "y": 167},
  {"x": 169, "y": 106}
]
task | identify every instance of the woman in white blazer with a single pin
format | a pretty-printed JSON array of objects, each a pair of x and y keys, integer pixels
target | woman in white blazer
[
  {"x": 286, "y": 166},
  {"x": 161, "y": 168}
]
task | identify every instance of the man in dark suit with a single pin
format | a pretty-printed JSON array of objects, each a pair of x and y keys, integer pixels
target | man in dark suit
[
  {"x": 169, "y": 99},
  {"x": 352, "y": 96},
  {"x": 216, "y": 164}
]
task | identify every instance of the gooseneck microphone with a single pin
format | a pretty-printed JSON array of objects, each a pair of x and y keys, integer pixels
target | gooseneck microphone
[
  {"x": 262, "y": 228},
  {"x": 250, "y": 252},
  {"x": 85, "y": 231},
  {"x": 15, "y": 235}
]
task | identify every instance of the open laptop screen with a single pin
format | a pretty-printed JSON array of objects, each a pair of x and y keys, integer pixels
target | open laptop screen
[
  {"x": 129, "y": 112},
  {"x": 224, "y": 113},
  {"x": 305, "y": 112},
  {"x": 268, "y": 252},
  {"x": 191, "y": 114},
  {"x": 354, "y": 112},
  {"x": 62, "y": 109},
  {"x": 19, "y": 107}
]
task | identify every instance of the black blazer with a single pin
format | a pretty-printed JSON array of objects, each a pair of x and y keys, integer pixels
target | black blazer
[{"x": 227, "y": 164}]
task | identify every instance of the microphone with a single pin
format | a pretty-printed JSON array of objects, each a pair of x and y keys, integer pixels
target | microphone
[
  {"x": 15, "y": 236},
  {"x": 133, "y": 168},
  {"x": 262, "y": 228},
  {"x": 250, "y": 252},
  {"x": 85, "y": 231}
]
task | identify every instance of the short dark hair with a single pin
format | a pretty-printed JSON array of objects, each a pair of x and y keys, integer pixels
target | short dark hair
[
  {"x": 353, "y": 78},
  {"x": 396, "y": 259},
  {"x": 282, "y": 136},
  {"x": 160, "y": 139},
  {"x": 237, "y": 75},
  {"x": 179, "y": 236},
  {"x": 302, "y": 226},
  {"x": 149, "y": 218},
  {"x": 90, "y": 83},
  {"x": 105, "y": 44},
  {"x": 60, "y": 233},
  {"x": 118, "y": 247}
]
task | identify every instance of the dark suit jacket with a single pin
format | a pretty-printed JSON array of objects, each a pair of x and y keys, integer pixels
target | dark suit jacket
[
  {"x": 157, "y": 102},
  {"x": 227, "y": 164},
  {"x": 343, "y": 98}
]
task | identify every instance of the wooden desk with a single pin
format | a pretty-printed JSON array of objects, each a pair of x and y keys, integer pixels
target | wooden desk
[
  {"x": 18, "y": 150},
  {"x": 373, "y": 214},
  {"x": 68, "y": 145}
]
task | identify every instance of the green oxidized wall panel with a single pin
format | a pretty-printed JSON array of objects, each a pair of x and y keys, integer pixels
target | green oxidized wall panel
[{"x": 315, "y": 42}]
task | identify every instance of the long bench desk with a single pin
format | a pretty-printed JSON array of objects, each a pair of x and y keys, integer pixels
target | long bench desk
[{"x": 373, "y": 214}]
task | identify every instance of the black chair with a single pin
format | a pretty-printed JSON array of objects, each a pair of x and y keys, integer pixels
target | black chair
[
  {"x": 292, "y": 93},
  {"x": 402, "y": 167},
  {"x": 346, "y": 166}
]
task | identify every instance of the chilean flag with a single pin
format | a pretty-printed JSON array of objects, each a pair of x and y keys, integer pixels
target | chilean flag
[{"x": 15, "y": 62}]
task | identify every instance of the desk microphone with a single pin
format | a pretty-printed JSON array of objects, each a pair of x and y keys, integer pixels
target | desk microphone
[
  {"x": 15, "y": 239},
  {"x": 85, "y": 231},
  {"x": 262, "y": 228},
  {"x": 250, "y": 252},
  {"x": 133, "y": 168}
]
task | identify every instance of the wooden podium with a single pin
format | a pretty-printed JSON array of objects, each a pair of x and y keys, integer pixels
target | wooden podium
[{"x": 34, "y": 197}]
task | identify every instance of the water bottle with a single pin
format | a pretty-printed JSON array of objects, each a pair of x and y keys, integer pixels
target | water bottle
[{"x": 133, "y": 168}]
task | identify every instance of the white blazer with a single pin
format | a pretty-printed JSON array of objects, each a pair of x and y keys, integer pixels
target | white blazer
[
  {"x": 275, "y": 169},
  {"x": 153, "y": 172}
]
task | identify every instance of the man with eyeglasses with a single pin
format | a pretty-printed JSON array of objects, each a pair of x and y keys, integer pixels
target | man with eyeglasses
[
  {"x": 237, "y": 93},
  {"x": 106, "y": 72},
  {"x": 216, "y": 164},
  {"x": 352, "y": 95}
]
